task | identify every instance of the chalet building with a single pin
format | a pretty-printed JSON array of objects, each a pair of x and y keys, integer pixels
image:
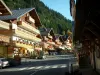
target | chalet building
[
  {"x": 4, "y": 39},
  {"x": 87, "y": 31},
  {"x": 23, "y": 33},
  {"x": 59, "y": 44},
  {"x": 68, "y": 43},
  {"x": 48, "y": 39},
  {"x": 63, "y": 43}
]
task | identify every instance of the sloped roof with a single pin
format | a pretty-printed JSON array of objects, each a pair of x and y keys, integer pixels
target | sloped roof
[
  {"x": 57, "y": 36},
  {"x": 45, "y": 31},
  {"x": 64, "y": 37},
  {"x": 48, "y": 29},
  {"x": 20, "y": 12},
  {"x": 4, "y": 10},
  {"x": 42, "y": 29},
  {"x": 16, "y": 14}
]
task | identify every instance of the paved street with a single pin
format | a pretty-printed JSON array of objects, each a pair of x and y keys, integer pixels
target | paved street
[{"x": 50, "y": 66}]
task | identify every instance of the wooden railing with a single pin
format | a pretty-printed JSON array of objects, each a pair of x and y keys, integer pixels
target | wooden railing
[
  {"x": 26, "y": 35},
  {"x": 4, "y": 25},
  {"x": 23, "y": 45},
  {"x": 29, "y": 27}
]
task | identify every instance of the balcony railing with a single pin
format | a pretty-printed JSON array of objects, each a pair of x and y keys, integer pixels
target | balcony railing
[
  {"x": 27, "y": 26},
  {"x": 25, "y": 35},
  {"x": 52, "y": 43},
  {"x": 4, "y": 25},
  {"x": 45, "y": 45},
  {"x": 30, "y": 19},
  {"x": 38, "y": 49},
  {"x": 23, "y": 45}
]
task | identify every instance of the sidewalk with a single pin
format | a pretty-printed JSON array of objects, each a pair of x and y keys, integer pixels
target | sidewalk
[
  {"x": 88, "y": 71},
  {"x": 85, "y": 71}
]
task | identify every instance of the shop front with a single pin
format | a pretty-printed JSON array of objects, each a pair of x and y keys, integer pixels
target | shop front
[
  {"x": 4, "y": 42},
  {"x": 38, "y": 49},
  {"x": 51, "y": 50}
]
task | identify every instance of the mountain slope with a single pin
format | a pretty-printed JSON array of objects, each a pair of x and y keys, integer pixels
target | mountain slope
[{"x": 48, "y": 17}]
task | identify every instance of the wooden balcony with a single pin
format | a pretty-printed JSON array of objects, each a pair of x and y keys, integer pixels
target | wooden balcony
[
  {"x": 52, "y": 43},
  {"x": 45, "y": 45},
  {"x": 4, "y": 25},
  {"x": 26, "y": 35},
  {"x": 40, "y": 49},
  {"x": 28, "y": 27},
  {"x": 23, "y": 45},
  {"x": 30, "y": 19},
  {"x": 49, "y": 36},
  {"x": 45, "y": 38}
]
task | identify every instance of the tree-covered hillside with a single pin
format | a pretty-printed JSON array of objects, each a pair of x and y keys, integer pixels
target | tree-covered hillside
[{"x": 48, "y": 17}]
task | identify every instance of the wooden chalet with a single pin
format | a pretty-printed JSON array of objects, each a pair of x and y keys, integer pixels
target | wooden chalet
[
  {"x": 48, "y": 39},
  {"x": 4, "y": 39},
  {"x": 23, "y": 32}
]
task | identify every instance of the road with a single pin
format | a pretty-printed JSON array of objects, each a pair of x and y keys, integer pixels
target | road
[{"x": 50, "y": 66}]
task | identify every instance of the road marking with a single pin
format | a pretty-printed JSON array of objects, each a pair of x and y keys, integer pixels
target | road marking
[
  {"x": 22, "y": 68},
  {"x": 63, "y": 66},
  {"x": 38, "y": 67},
  {"x": 47, "y": 67},
  {"x": 31, "y": 68},
  {"x": 34, "y": 72},
  {"x": 55, "y": 66}
]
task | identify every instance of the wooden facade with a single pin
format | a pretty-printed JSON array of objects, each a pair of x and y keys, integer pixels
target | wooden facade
[
  {"x": 23, "y": 32},
  {"x": 48, "y": 39},
  {"x": 4, "y": 39},
  {"x": 4, "y": 10},
  {"x": 87, "y": 30}
]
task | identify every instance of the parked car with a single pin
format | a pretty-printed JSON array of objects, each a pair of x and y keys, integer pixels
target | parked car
[{"x": 3, "y": 62}]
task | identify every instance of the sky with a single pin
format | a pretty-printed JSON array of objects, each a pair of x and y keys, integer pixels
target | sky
[{"x": 61, "y": 6}]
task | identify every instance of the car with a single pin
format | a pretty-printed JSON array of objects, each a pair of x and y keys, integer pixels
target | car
[{"x": 3, "y": 63}]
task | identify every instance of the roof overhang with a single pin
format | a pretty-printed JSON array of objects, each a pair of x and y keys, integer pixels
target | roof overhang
[
  {"x": 4, "y": 10},
  {"x": 86, "y": 20},
  {"x": 35, "y": 15}
]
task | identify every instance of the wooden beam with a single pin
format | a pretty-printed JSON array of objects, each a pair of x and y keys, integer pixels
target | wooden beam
[
  {"x": 2, "y": 9},
  {"x": 4, "y": 5},
  {"x": 93, "y": 32},
  {"x": 4, "y": 14},
  {"x": 95, "y": 24}
]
